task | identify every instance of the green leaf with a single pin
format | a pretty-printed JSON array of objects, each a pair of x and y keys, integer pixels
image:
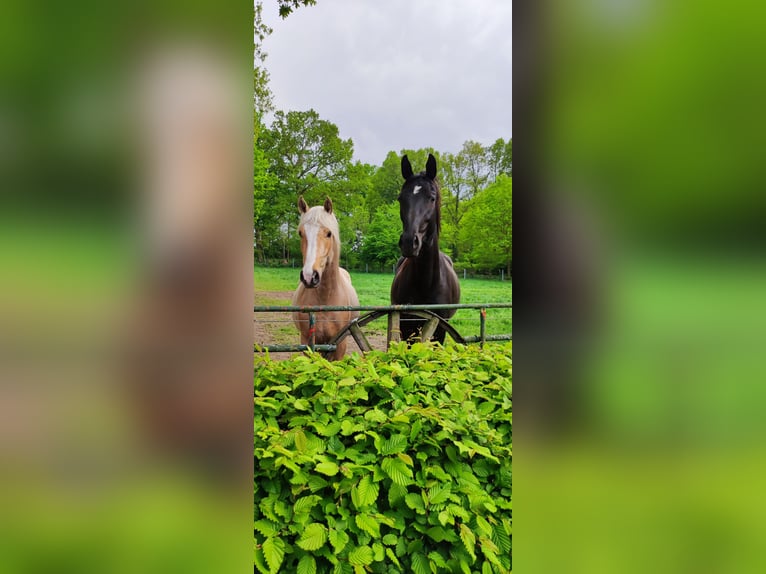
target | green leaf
[
  {"x": 316, "y": 483},
  {"x": 415, "y": 502},
  {"x": 439, "y": 493},
  {"x": 265, "y": 527},
  {"x": 397, "y": 443},
  {"x": 307, "y": 565},
  {"x": 420, "y": 564},
  {"x": 306, "y": 503},
  {"x": 328, "y": 468},
  {"x": 437, "y": 559},
  {"x": 364, "y": 493},
  {"x": 300, "y": 441},
  {"x": 376, "y": 416},
  {"x": 501, "y": 539},
  {"x": 397, "y": 471},
  {"x": 395, "y": 494},
  {"x": 338, "y": 540},
  {"x": 361, "y": 556},
  {"x": 274, "y": 553},
  {"x": 436, "y": 533},
  {"x": 378, "y": 552},
  {"x": 392, "y": 557},
  {"x": 313, "y": 537},
  {"x": 368, "y": 524},
  {"x": 259, "y": 561},
  {"x": 469, "y": 540},
  {"x": 483, "y": 527},
  {"x": 342, "y": 568}
]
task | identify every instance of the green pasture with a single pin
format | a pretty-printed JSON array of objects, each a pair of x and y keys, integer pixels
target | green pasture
[{"x": 374, "y": 288}]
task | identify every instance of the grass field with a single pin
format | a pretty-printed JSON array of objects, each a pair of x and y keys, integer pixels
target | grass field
[{"x": 374, "y": 288}]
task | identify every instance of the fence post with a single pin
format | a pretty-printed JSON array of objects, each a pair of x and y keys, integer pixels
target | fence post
[
  {"x": 502, "y": 275},
  {"x": 463, "y": 273},
  {"x": 483, "y": 326},
  {"x": 312, "y": 330},
  {"x": 394, "y": 331}
]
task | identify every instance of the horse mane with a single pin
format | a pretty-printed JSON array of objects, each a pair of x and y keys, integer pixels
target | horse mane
[{"x": 319, "y": 216}]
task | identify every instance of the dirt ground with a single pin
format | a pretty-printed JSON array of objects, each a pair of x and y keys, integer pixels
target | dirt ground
[{"x": 277, "y": 328}]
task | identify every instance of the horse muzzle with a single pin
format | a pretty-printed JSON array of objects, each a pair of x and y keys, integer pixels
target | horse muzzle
[
  {"x": 410, "y": 244},
  {"x": 312, "y": 281}
]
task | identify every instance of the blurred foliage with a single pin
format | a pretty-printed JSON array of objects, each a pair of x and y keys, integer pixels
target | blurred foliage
[{"x": 655, "y": 110}]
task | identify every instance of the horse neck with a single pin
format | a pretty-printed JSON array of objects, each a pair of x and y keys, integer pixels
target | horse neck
[{"x": 427, "y": 263}]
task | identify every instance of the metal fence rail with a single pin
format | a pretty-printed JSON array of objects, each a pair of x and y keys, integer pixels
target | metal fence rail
[{"x": 374, "y": 311}]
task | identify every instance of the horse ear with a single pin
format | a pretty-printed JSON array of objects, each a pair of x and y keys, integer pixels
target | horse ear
[
  {"x": 431, "y": 166},
  {"x": 328, "y": 205},
  {"x": 406, "y": 167},
  {"x": 302, "y": 205}
]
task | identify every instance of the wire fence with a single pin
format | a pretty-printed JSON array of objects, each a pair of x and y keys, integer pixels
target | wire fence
[{"x": 464, "y": 272}]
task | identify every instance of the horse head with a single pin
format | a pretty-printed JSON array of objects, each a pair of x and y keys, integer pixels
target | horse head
[
  {"x": 419, "y": 207},
  {"x": 320, "y": 241}
]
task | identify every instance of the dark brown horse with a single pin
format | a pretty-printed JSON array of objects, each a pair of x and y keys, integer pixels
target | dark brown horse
[{"x": 424, "y": 274}]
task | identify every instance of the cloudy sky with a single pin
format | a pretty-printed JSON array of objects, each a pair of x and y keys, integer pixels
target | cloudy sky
[{"x": 394, "y": 74}]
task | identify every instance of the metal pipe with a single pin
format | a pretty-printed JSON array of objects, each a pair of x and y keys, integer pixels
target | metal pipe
[
  {"x": 293, "y": 348},
  {"x": 488, "y": 338}
]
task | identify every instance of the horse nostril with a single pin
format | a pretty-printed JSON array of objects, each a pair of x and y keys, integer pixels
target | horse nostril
[
  {"x": 415, "y": 241},
  {"x": 315, "y": 278}
]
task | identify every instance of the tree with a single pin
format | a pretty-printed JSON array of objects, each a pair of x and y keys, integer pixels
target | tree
[
  {"x": 500, "y": 158},
  {"x": 307, "y": 157},
  {"x": 264, "y": 183},
  {"x": 286, "y": 7},
  {"x": 262, "y": 96},
  {"x": 386, "y": 183},
  {"x": 488, "y": 226},
  {"x": 348, "y": 195},
  {"x": 381, "y": 242}
]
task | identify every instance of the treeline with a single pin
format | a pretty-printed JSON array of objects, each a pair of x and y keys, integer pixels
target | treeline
[{"x": 300, "y": 153}]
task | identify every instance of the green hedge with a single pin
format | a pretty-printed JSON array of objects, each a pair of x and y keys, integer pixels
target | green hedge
[{"x": 389, "y": 462}]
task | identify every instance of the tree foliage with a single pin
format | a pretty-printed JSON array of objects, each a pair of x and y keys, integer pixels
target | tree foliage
[
  {"x": 488, "y": 226},
  {"x": 287, "y": 7},
  {"x": 381, "y": 243},
  {"x": 306, "y": 157},
  {"x": 263, "y": 100},
  {"x": 300, "y": 153}
]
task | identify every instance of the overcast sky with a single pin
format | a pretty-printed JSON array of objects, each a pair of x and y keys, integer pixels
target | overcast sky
[{"x": 394, "y": 74}]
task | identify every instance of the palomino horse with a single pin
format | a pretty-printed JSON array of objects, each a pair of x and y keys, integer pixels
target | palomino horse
[
  {"x": 424, "y": 274},
  {"x": 322, "y": 280}
]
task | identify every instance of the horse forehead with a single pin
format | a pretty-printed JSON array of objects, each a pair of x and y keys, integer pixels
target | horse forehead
[
  {"x": 319, "y": 217},
  {"x": 417, "y": 186}
]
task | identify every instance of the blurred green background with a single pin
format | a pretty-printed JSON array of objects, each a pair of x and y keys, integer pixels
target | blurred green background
[
  {"x": 653, "y": 127},
  {"x": 79, "y": 491}
]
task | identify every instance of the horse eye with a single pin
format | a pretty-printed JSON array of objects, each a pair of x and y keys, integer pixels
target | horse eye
[
  {"x": 300, "y": 233},
  {"x": 329, "y": 234},
  {"x": 433, "y": 198}
]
